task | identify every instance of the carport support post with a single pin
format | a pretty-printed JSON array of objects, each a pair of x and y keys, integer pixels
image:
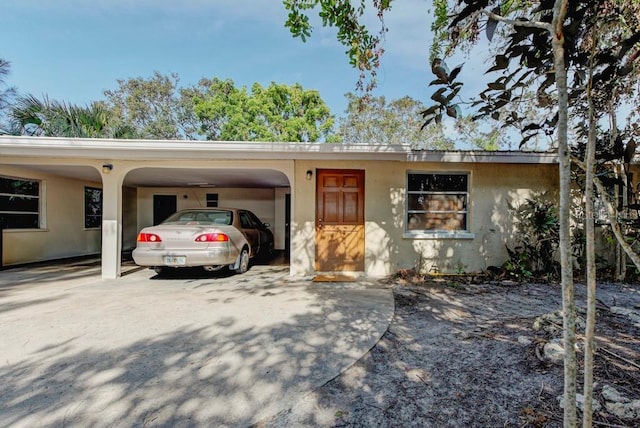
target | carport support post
[{"x": 111, "y": 222}]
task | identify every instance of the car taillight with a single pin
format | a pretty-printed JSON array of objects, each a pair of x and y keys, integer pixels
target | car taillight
[
  {"x": 148, "y": 237},
  {"x": 212, "y": 237}
]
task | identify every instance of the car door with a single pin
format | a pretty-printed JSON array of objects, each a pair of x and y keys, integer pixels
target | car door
[
  {"x": 250, "y": 231},
  {"x": 263, "y": 229}
]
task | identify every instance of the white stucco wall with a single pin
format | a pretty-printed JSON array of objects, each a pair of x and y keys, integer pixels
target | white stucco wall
[
  {"x": 492, "y": 187},
  {"x": 129, "y": 217},
  {"x": 387, "y": 248},
  {"x": 62, "y": 219}
]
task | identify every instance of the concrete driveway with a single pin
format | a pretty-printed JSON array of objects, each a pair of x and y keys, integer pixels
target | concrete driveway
[{"x": 197, "y": 350}]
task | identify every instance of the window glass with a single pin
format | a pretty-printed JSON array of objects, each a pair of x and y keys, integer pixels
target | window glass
[
  {"x": 212, "y": 200},
  {"x": 256, "y": 221},
  {"x": 221, "y": 217},
  {"x": 438, "y": 182},
  {"x": 92, "y": 207},
  {"x": 245, "y": 220},
  {"x": 437, "y": 202},
  {"x": 19, "y": 203}
]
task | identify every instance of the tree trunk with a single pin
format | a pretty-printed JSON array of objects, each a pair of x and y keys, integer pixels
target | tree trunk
[
  {"x": 589, "y": 227},
  {"x": 622, "y": 191},
  {"x": 568, "y": 293}
]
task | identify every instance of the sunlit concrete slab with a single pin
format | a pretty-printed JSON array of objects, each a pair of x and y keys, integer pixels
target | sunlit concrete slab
[{"x": 210, "y": 350}]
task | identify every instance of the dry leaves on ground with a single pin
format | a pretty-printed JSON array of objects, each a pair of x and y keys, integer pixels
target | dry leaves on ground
[{"x": 459, "y": 353}]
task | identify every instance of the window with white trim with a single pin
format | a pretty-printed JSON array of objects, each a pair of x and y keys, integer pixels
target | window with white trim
[
  {"x": 437, "y": 202},
  {"x": 92, "y": 207},
  {"x": 19, "y": 203}
]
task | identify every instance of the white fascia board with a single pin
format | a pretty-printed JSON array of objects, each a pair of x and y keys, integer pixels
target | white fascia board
[
  {"x": 481, "y": 156},
  {"x": 189, "y": 150},
  {"x": 86, "y": 148}
]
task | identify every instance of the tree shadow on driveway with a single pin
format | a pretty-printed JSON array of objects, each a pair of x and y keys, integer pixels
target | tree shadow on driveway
[{"x": 192, "y": 352}]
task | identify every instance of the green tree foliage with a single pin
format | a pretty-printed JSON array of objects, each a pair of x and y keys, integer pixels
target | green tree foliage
[
  {"x": 275, "y": 113},
  {"x": 534, "y": 254},
  {"x": 45, "y": 117},
  {"x": 7, "y": 94},
  {"x": 524, "y": 66},
  {"x": 150, "y": 106},
  {"x": 477, "y": 138},
  {"x": 156, "y": 108},
  {"x": 373, "y": 120},
  {"x": 363, "y": 48}
]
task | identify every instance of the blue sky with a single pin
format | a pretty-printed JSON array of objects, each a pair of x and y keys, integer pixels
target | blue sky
[{"x": 73, "y": 50}]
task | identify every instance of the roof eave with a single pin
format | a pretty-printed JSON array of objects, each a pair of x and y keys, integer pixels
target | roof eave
[
  {"x": 482, "y": 156},
  {"x": 192, "y": 150},
  {"x": 86, "y": 148}
]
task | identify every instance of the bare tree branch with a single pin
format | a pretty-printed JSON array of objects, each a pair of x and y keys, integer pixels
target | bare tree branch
[
  {"x": 611, "y": 212},
  {"x": 516, "y": 23}
]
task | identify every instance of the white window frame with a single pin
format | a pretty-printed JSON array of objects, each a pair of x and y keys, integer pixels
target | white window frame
[{"x": 438, "y": 233}]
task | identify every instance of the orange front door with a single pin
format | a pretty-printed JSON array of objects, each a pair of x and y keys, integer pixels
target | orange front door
[{"x": 339, "y": 220}]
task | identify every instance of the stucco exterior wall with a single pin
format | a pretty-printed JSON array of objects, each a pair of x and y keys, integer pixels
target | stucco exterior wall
[
  {"x": 62, "y": 210},
  {"x": 387, "y": 246},
  {"x": 117, "y": 167},
  {"x": 129, "y": 217},
  {"x": 494, "y": 188}
]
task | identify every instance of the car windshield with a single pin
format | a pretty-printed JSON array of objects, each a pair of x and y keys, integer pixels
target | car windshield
[{"x": 220, "y": 217}]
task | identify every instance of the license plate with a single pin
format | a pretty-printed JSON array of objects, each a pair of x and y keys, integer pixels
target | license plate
[{"x": 175, "y": 260}]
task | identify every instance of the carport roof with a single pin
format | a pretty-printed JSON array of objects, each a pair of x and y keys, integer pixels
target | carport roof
[{"x": 190, "y": 150}]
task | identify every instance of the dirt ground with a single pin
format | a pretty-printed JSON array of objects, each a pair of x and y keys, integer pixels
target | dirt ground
[{"x": 460, "y": 353}]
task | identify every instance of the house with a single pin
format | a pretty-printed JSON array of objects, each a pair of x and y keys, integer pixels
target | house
[{"x": 363, "y": 209}]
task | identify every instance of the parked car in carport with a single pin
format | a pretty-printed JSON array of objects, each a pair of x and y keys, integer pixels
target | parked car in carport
[{"x": 211, "y": 238}]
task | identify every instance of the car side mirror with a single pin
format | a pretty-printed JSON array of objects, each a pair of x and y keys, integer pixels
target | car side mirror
[{"x": 266, "y": 224}]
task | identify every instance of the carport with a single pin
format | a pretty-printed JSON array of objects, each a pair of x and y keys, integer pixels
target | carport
[
  {"x": 277, "y": 181},
  {"x": 131, "y": 173},
  {"x": 151, "y": 193}
]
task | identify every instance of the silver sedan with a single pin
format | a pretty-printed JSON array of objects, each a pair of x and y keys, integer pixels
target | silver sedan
[{"x": 208, "y": 237}]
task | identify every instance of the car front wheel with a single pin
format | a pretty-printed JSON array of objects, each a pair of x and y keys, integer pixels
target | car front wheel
[{"x": 243, "y": 266}]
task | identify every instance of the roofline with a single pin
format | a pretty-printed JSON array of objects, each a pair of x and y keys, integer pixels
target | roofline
[
  {"x": 191, "y": 150},
  {"x": 483, "y": 156},
  {"x": 88, "y": 148}
]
